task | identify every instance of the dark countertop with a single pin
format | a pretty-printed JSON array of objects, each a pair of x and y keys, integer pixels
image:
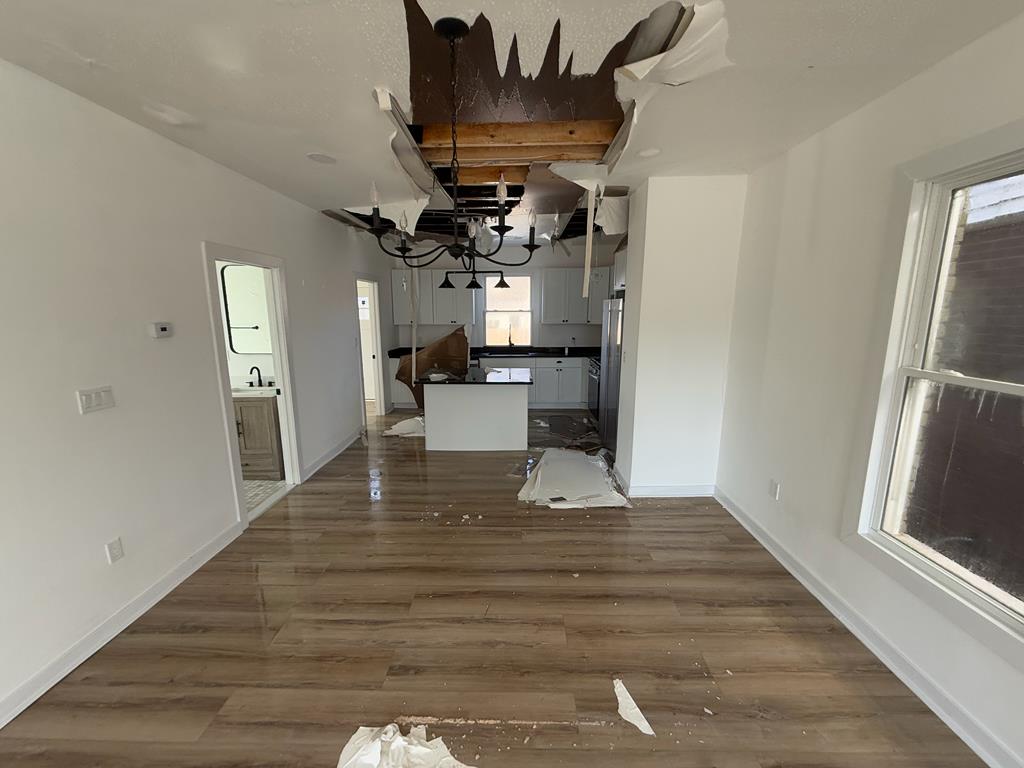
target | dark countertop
[
  {"x": 485, "y": 352},
  {"x": 494, "y": 376}
]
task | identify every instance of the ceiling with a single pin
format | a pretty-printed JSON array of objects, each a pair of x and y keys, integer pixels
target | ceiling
[{"x": 258, "y": 84}]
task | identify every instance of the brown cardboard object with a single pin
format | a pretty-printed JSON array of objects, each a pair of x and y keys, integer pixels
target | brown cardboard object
[{"x": 449, "y": 354}]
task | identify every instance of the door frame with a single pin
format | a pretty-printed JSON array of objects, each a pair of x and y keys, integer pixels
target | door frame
[
  {"x": 378, "y": 344},
  {"x": 281, "y": 350}
]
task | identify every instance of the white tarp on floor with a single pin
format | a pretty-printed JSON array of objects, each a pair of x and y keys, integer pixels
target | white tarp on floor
[
  {"x": 567, "y": 479},
  {"x": 387, "y": 748},
  {"x": 413, "y": 427}
]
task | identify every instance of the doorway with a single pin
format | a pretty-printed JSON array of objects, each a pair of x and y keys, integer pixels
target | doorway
[
  {"x": 248, "y": 315},
  {"x": 368, "y": 307}
]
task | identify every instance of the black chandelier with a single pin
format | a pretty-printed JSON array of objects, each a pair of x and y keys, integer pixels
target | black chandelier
[{"x": 465, "y": 252}]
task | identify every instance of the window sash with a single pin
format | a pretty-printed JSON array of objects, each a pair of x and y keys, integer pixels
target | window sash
[{"x": 927, "y": 249}]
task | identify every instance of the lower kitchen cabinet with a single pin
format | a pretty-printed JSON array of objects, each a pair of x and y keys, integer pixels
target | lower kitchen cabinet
[{"x": 259, "y": 438}]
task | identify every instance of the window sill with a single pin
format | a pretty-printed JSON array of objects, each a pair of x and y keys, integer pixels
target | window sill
[{"x": 975, "y": 613}]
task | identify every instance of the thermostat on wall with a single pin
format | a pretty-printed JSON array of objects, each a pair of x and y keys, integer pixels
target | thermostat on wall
[{"x": 161, "y": 330}]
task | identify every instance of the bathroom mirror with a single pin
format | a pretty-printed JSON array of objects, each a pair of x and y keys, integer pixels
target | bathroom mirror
[{"x": 246, "y": 308}]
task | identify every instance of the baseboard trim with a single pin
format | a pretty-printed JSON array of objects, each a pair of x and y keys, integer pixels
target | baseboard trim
[
  {"x": 984, "y": 743},
  {"x": 12, "y": 705},
  {"x": 319, "y": 464},
  {"x": 670, "y": 491}
]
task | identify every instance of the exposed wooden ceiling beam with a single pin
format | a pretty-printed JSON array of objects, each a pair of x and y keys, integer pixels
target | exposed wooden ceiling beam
[
  {"x": 514, "y": 174},
  {"x": 438, "y": 135},
  {"x": 517, "y": 155}
]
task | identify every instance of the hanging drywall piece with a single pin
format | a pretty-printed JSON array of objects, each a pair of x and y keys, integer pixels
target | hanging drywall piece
[
  {"x": 628, "y": 709},
  {"x": 613, "y": 215},
  {"x": 387, "y": 748},
  {"x": 699, "y": 52},
  {"x": 589, "y": 255}
]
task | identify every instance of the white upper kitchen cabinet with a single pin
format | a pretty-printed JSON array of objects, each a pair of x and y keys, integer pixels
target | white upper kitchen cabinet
[
  {"x": 401, "y": 295},
  {"x": 600, "y": 289},
  {"x": 562, "y": 299},
  {"x": 401, "y": 302},
  {"x": 553, "y": 308},
  {"x": 452, "y": 306},
  {"x": 577, "y": 307}
]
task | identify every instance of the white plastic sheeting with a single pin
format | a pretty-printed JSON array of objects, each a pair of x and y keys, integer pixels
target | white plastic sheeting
[
  {"x": 567, "y": 479},
  {"x": 413, "y": 427},
  {"x": 387, "y": 748},
  {"x": 628, "y": 709},
  {"x": 613, "y": 215}
]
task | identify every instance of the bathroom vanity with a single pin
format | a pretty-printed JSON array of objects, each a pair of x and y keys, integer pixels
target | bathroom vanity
[{"x": 259, "y": 434}]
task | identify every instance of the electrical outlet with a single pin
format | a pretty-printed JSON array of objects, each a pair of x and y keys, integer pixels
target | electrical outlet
[
  {"x": 775, "y": 489},
  {"x": 115, "y": 550},
  {"x": 97, "y": 399}
]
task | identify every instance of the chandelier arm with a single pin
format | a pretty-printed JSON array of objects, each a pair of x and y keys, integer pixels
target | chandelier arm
[{"x": 508, "y": 263}]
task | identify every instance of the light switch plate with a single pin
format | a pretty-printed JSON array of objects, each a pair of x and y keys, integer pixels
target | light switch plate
[{"x": 96, "y": 399}]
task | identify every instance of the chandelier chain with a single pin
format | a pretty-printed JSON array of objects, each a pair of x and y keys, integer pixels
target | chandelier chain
[{"x": 454, "y": 167}]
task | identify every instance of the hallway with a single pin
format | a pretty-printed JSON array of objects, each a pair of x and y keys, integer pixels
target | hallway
[{"x": 446, "y": 602}]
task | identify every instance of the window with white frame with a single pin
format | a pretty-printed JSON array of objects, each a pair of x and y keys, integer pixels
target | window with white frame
[
  {"x": 955, "y": 493},
  {"x": 507, "y": 315}
]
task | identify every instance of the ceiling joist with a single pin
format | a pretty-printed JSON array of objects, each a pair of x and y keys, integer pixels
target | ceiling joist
[
  {"x": 439, "y": 135},
  {"x": 516, "y": 155}
]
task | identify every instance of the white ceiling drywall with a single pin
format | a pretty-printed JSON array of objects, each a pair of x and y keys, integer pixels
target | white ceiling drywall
[{"x": 258, "y": 84}]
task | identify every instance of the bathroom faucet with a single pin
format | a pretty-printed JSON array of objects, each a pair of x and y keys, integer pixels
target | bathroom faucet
[{"x": 259, "y": 376}]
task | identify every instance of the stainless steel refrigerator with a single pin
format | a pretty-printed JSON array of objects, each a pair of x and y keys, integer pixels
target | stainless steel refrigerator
[{"x": 611, "y": 363}]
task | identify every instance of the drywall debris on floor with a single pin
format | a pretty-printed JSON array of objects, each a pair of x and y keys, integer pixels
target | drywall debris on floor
[
  {"x": 387, "y": 748},
  {"x": 567, "y": 479},
  {"x": 628, "y": 709},
  {"x": 407, "y": 428}
]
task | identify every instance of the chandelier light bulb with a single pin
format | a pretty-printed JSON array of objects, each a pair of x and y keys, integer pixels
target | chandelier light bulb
[
  {"x": 374, "y": 197},
  {"x": 502, "y": 189},
  {"x": 533, "y": 217},
  {"x": 471, "y": 228},
  {"x": 403, "y": 223}
]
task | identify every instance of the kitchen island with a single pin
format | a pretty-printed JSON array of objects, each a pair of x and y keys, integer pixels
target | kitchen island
[{"x": 486, "y": 411}]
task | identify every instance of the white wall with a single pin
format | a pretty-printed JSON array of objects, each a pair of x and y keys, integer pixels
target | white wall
[
  {"x": 821, "y": 246},
  {"x": 102, "y": 224},
  {"x": 541, "y": 335},
  {"x": 680, "y": 276}
]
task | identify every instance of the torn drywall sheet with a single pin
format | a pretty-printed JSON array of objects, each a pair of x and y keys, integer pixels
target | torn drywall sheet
[
  {"x": 413, "y": 427},
  {"x": 628, "y": 709},
  {"x": 567, "y": 479},
  {"x": 699, "y": 52},
  {"x": 387, "y": 748},
  {"x": 613, "y": 215}
]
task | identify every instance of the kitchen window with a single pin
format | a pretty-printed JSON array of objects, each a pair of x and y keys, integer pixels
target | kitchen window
[
  {"x": 953, "y": 502},
  {"x": 507, "y": 312}
]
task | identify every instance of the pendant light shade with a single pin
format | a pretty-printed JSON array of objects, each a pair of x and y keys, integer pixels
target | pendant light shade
[
  {"x": 473, "y": 283},
  {"x": 447, "y": 282},
  {"x": 501, "y": 282}
]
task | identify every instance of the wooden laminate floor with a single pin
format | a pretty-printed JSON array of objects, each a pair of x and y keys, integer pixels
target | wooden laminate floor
[{"x": 446, "y": 602}]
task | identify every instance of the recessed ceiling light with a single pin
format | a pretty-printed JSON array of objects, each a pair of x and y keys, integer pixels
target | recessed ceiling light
[
  {"x": 320, "y": 157},
  {"x": 652, "y": 152}
]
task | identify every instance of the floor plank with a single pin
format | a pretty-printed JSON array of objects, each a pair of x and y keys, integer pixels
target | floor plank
[{"x": 499, "y": 626}]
